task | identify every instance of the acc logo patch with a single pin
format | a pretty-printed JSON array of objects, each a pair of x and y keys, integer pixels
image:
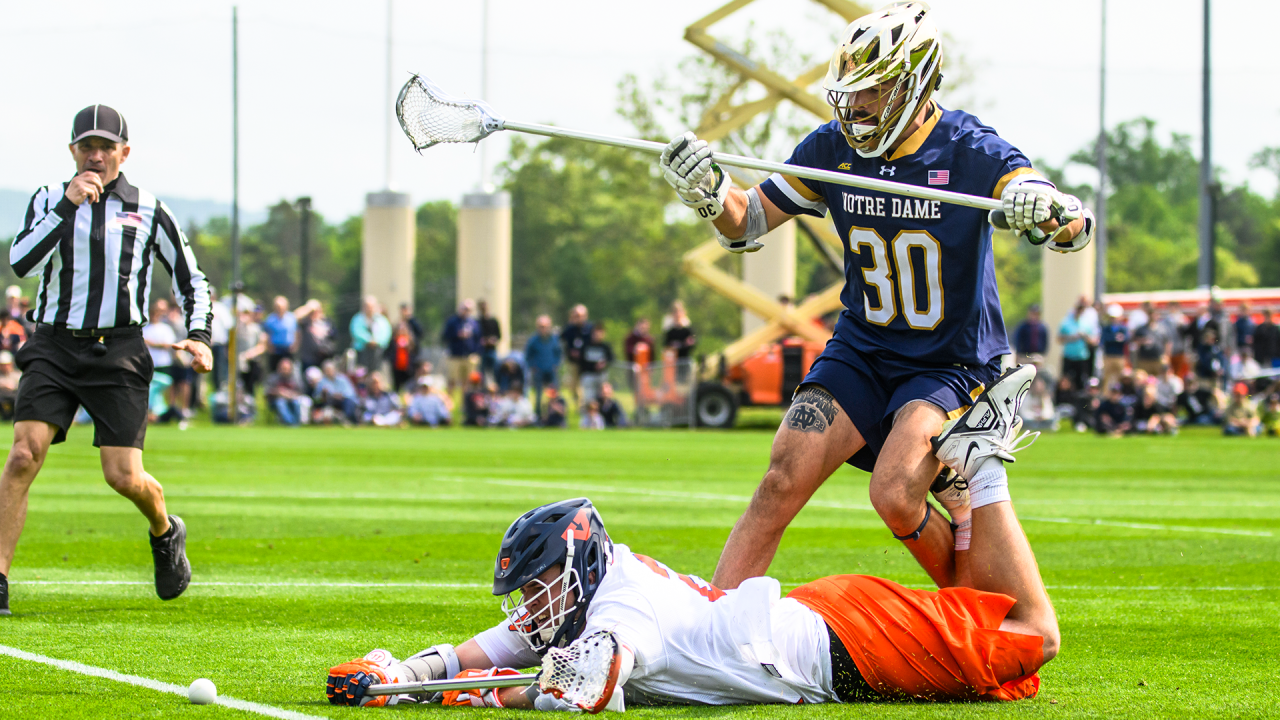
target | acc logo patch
[
  {"x": 844, "y": 166},
  {"x": 579, "y": 527}
]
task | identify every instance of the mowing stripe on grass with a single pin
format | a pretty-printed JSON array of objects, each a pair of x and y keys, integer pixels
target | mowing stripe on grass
[
  {"x": 464, "y": 586},
  {"x": 150, "y": 684},
  {"x": 851, "y": 506},
  {"x": 316, "y": 495},
  {"x": 484, "y": 586},
  {"x": 1149, "y": 526}
]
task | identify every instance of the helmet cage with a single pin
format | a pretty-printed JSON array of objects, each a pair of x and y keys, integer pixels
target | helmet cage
[
  {"x": 891, "y": 62},
  {"x": 568, "y": 534},
  {"x": 543, "y": 630}
]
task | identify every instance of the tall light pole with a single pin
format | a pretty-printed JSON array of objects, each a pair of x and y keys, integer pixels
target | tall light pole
[
  {"x": 390, "y": 105},
  {"x": 304, "y": 249},
  {"x": 1100, "y": 202},
  {"x": 1205, "y": 271},
  {"x": 485, "y": 179},
  {"x": 233, "y": 352}
]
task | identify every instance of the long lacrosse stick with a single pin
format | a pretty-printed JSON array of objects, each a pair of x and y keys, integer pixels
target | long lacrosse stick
[
  {"x": 430, "y": 116},
  {"x": 435, "y": 686}
]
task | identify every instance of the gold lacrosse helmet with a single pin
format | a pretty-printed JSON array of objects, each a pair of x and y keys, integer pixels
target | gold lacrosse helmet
[{"x": 896, "y": 54}]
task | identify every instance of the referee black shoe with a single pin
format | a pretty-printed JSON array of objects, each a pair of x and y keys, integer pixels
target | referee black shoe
[
  {"x": 4, "y": 596},
  {"x": 173, "y": 572}
]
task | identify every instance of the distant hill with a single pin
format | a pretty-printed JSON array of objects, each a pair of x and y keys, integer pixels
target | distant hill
[{"x": 13, "y": 205}]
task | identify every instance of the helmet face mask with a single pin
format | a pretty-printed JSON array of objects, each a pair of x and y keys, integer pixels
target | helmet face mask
[
  {"x": 882, "y": 75},
  {"x": 539, "y": 609},
  {"x": 549, "y": 567}
]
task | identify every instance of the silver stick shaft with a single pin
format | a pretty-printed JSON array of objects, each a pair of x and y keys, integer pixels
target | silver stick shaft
[
  {"x": 434, "y": 686},
  {"x": 915, "y": 191}
]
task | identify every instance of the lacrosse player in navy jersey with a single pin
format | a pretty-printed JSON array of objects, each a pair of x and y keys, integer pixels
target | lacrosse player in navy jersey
[{"x": 912, "y": 374}]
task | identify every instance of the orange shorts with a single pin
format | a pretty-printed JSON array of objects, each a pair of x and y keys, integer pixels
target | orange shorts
[{"x": 943, "y": 645}]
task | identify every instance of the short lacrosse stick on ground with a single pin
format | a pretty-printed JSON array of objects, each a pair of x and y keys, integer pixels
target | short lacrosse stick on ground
[
  {"x": 430, "y": 116},
  {"x": 587, "y": 673}
]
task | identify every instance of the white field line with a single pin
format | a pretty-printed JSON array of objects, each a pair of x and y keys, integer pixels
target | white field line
[
  {"x": 484, "y": 586},
  {"x": 156, "y": 685}
]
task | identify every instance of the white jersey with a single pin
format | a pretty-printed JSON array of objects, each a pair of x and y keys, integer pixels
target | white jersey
[{"x": 694, "y": 643}]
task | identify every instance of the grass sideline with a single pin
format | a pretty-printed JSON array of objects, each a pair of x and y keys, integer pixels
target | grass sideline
[{"x": 312, "y": 546}]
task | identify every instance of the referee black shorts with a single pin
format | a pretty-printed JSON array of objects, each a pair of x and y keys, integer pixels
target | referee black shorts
[{"x": 61, "y": 372}]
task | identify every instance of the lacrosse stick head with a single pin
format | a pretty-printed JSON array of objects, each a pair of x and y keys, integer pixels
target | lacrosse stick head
[
  {"x": 430, "y": 116},
  {"x": 584, "y": 674}
]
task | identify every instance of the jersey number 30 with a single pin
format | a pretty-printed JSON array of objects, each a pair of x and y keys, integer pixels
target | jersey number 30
[{"x": 881, "y": 275}]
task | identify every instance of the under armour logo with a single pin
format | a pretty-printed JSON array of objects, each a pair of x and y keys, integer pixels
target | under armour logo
[{"x": 888, "y": 170}]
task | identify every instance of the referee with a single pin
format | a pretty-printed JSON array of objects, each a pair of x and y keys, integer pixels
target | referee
[{"x": 92, "y": 241}]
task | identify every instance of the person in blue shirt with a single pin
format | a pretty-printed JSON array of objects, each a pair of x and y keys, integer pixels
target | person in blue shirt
[
  {"x": 1115, "y": 338},
  {"x": 1031, "y": 338},
  {"x": 336, "y": 392},
  {"x": 542, "y": 354},
  {"x": 461, "y": 337},
  {"x": 281, "y": 327},
  {"x": 921, "y": 334},
  {"x": 370, "y": 334},
  {"x": 1079, "y": 334}
]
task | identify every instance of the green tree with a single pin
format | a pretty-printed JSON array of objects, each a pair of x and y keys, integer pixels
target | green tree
[
  {"x": 435, "y": 267},
  {"x": 1153, "y": 211},
  {"x": 590, "y": 226}
]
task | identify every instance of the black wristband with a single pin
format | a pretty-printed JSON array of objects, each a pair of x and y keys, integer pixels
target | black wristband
[{"x": 65, "y": 209}]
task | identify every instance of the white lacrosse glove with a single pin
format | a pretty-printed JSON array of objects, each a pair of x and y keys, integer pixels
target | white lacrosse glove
[
  {"x": 687, "y": 166},
  {"x": 1027, "y": 204},
  {"x": 1073, "y": 209}
]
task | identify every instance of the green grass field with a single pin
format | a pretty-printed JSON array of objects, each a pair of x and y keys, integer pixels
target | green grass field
[{"x": 313, "y": 546}]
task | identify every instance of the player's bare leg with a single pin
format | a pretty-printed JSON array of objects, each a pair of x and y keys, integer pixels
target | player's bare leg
[
  {"x": 1001, "y": 561},
  {"x": 122, "y": 468},
  {"x": 900, "y": 484},
  {"x": 31, "y": 441},
  {"x": 815, "y": 438}
]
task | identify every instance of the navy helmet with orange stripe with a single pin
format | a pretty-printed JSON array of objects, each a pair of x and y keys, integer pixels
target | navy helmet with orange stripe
[{"x": 569, "y": 535}]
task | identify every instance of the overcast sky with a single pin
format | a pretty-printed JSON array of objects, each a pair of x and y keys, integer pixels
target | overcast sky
[{"x": 312, "y": 88}]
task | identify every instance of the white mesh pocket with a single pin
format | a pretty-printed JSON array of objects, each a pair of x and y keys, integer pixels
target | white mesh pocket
[
  {"x": 584, "y": 673},
  {"x": 430, "y": 117}
]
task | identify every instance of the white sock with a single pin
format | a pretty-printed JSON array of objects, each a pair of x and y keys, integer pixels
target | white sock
[
  {"x": 989, "y": 485},
  {"x": 964, "y": 534}
]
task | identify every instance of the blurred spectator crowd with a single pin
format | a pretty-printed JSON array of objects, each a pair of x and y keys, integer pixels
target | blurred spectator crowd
[
  {"x": 293, "y": 370},
  {"x": 1154, "y": 369}
]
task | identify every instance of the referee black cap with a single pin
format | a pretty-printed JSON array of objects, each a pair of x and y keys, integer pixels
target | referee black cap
[{"x": 100, "y": 121}]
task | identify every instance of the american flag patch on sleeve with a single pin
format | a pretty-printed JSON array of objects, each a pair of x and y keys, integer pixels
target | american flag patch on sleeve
[{"x": 939, "y": 177}]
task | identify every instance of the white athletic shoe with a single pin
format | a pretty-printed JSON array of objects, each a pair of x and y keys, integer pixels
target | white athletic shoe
[{"x": 988, "y": 429}]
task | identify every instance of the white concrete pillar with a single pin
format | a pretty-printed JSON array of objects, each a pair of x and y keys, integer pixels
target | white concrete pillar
[
  {"x": 772, "y": 270},
  {"x": 388, "y": 250},
  {"x": 1063, "y": 279},
  {"x": 484, "y": 256}
]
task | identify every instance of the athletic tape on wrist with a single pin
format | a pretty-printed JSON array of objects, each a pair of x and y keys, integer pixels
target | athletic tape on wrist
[{"x": 757, "y": 223}]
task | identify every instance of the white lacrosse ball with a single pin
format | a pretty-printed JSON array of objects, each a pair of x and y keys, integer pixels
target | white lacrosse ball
[{"x": 202, "y": 692}]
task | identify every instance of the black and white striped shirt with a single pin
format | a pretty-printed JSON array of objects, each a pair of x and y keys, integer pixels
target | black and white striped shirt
[{"x": 94, "y": 260}]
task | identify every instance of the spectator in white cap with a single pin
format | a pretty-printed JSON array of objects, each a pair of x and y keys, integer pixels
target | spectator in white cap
[{"x": 1115, "y": 337}]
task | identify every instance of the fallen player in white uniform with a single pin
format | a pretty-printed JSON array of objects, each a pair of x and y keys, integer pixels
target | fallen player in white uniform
[{"x": 679, "y": 640}]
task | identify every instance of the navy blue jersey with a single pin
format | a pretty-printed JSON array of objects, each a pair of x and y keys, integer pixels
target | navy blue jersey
[{"x": 920, "y": 279}]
